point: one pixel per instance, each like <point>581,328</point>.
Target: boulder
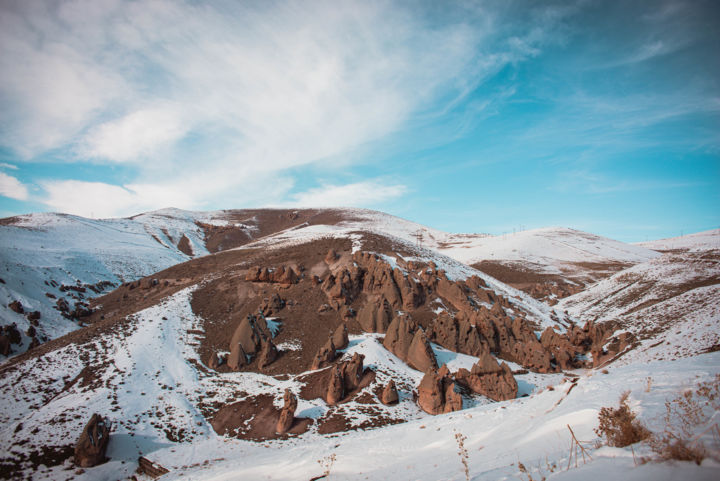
<point>431,396</point>
<point>389,394</point>
<point>248,335</point>
<point>340,337</point>
<point>92,444</point>
<point>287,415</point>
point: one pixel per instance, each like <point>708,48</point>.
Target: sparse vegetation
<point>688,417</point>
<point>619,427</point>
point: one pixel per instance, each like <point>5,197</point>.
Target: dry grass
<point>689,417</point>
<point>619,427</point>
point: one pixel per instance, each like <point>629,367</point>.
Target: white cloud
<point>136,136</point>
<point>13,188</point>
<point>3,165</point>
<point>360,194</point>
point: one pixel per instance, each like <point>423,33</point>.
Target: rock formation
<point>340,337</point>
<point>490,379</point>
<point>375,315</point>
<point>437,393</point>
<point>336,387</point>
<point>389,394</point>
<point>287,415</point>
<point>325,355</point>
<point>92,444</point>
<point>420,355</point>
<point>268,353</point>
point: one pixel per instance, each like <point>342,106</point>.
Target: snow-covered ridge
<point>700,241</point>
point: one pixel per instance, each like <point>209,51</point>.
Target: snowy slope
<point>700,241</point>
<point>37,249</point>
<point>551,247</point>
<point>670,302</point>
<point>153,390</point>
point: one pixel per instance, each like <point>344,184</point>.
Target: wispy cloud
<point>589,182</point>
<point>4,165</point>
<point>12,187</point>
<point>361,194</point>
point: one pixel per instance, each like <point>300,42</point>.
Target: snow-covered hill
<point>153,390</point>
<point>700,241</point>
<point>671,303</point>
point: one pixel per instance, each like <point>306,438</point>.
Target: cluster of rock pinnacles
<point>478,323</point>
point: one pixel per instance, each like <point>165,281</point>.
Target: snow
<point>700,241</point>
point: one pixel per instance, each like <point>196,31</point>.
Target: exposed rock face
<point>375,315</point>
<point>389,394</point>
<point>490,379</point>
<point>400,336</point>
<point>437,393</point>
<point>92,444</point>
<point>16,306</point>
<point>325,355</point>
<point>4,345</point>
<point>340,337</point>
<point>420,355</point>
<point>287,415</point>
<point>331,256</point>
<point>458,334</point>
<point>237,357</point>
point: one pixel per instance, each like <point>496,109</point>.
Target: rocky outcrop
<point>457,334</point>
<point>283,276</point>
<point>237,357</point>
<point>399,336</point>
<point>324,356</point>
<point>249,335</point>
<point>268,353</point>
<point>437,392</point>
<point>287,415</point>
<point>336,387</point>
<point>420,355</point>
<point>214,361</point>
<point>340,337</point>
<point>352,372</point>
<point>489,379</point>
<point>375,315</point>
<point>92,445</point>
<point>389,394</point>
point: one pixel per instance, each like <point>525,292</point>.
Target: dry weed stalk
<point>576,448</point>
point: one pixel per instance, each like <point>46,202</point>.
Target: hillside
<point>549,263</point>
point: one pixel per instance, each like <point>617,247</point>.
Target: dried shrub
<point>688,417</point>
<point>619,427</point>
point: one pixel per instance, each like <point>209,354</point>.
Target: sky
<point>466,116</point>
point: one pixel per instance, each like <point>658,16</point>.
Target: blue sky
<point>465,116</point>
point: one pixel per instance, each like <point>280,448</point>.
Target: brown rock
<point>5,345</point>
<point>248,335</point>
<point>352,371</point>
<point>92,444</point>
<point>489,379</point>
<point>375,315</point>
<point>336,387</point>
<point>389,394</point>
<point>325,355</point>
<point>268,353</point>
<point>287,415</point>
<point>237,357</point>
<point>453,399</point>
<point>213,361</point>
<point>399,336</point>
<point>420,355</point>
<point>340,337</point>
<point>16,306</point>
<point>331,256</point>
<point>431,396</point>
